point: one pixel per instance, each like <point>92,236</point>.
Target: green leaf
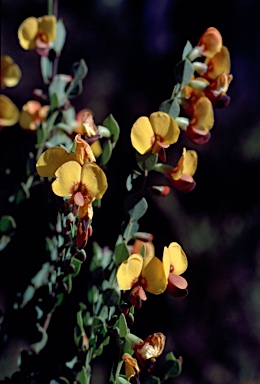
<point>59,41</point>
<point>187,50</point>
<point>171,107</point>
<point>122,325</point>
<point>57,91</point>
<point>7,224</point>
<point>111,296</point>
<point>139,210</point>
<point>147,161</point>
<point>113,127</point>
<point>183,72</point>
<point>93,294</point>
<point>130,179</point>
<point>77,265</point>
<point>79,70</point>
<point>143,251</point>
<point>121,253</point>
<point>46,69</point>
<point>107,152</point>
<point>173,366</point>
<point>82,376</point>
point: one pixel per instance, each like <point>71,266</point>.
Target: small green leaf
<point>139,209</point>
<point>147,161</point>
<point>183,72</point>
<point>122,325</point>
<point>143,251</point>
<point>113,127</point>
<point>79,70</point>
<point>107,152</point>
<point>7,224</point>
<point>187,50</point>
<point>171,107</point>
<point>173,366</point>
<point>152,380</point>
<point>111,297</point>
<point>59,41</point>
<point>46,69</point>
<point>82,376</point>
<point>121,253</point>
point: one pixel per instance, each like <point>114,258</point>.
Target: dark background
<point>131,48</point>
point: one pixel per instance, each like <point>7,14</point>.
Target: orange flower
<point>210,42</point>
<point>32,114</point>
<point>131,366</point>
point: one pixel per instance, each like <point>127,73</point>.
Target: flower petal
<point>142,135</point>
<point>154,275</point>
<point>178,258</point>
<point>129,271</point>
<point>94,179</point>
<point>218,64</point>
<point>165,127</point>
<point>9,113</point>
<point>190,162</point>
<point>203,117</point>
<point>177,281</point>
<point>68,178</point>
<point>51,160</point>
<point>47,26</point>
<point>27,32</point>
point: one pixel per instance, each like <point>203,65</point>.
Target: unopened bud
<point>200,68</point>
<point>183,122</point>
<point>144,236</point>
<point>200,85</point>
<point>160,190</point>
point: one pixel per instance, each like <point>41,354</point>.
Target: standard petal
<point>51,160</point>
<point>67,179</point>
<point>218,64</point>
<point>27,33</point>
<point>154,275</point>
<point>129,271</point>
<point>165,127</point>
<point>203,117</point>
<point>47,27</point>
<point>142,135</point>
<point>190,162</point>
<point>94,179</point>
<point>178,258</point>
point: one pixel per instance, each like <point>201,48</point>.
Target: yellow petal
<point>10,72</point>
<point>203,117</point>
<point>166,261</point>
<point>9,113</point>
<point>165,127</point>
<point>67,179</point>
<point>94,179</point>
<point>154,275</point>
<point>27,33</point>
<point>142,135</point>
<point>51,160</point>
<point>47,26</point>
<point>178,258</point>
<point>218,64</point>
<point>190,162</point>
<point>129,271</point>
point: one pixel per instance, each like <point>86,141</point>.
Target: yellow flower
<point>76,176</point>
<point>154,133</point>
<point>9,113</point>
<point>37,33</point>
<point>181,176</point>
<point>32,114</point>
<point>175,263</point>
<point>142,274</point>
<point>10,72</point>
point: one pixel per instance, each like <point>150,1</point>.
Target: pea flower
<point>175,261</point>
<point>37,33</point>
<point>154,133</point>
<point>181,176</point>
<point>77,176</point>
<point>201,119</point>
<point>208,45</point>
<point>32,114</point>
<point>10,72</point>
<point>141,274</point>
<point>9,113</point>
